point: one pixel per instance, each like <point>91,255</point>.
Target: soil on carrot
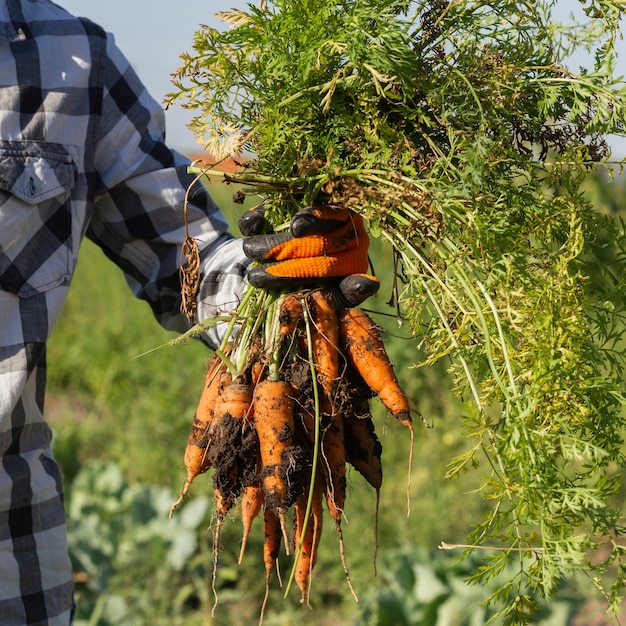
<point>298,374</point>
<point>249,454</point>
<point>293,472</point>
<point>354,450</point>
<point>226,466</point>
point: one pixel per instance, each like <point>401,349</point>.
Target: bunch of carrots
<point>285,407</point>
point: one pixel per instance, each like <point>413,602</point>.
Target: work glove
<point>322,245</point>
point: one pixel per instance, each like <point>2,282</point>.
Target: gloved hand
<point>322,245</point>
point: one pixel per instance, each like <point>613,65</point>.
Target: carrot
<point>334,467</point>
<point>196,458</point>
<point>290,314</point>
<point>257,372</point>
<point>332,477</point>
<point>225,433</point>
<point>325,340</point>
<point>325,353</point>
<point>306,546</point>
<point>251,502</point>
<point>334,463</point>
<point>364,350</point>
<point>272,538</point>
<point>271,547</point>
<point>282,462</point>
<point>363,448</point>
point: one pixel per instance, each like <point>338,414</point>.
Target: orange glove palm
<point>322,244</point>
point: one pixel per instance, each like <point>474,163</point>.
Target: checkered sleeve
<point>138,218</point>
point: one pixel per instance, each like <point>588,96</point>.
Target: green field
<point>121,422</point>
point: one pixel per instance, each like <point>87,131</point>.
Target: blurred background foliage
<point>121,414</point>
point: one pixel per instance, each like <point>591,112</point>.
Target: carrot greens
<point>463,134</point>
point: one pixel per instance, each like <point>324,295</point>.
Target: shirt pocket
<point>36,180</point>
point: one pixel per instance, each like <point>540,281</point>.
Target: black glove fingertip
<point>259,278</point>
<point>260,246</point>
<point>306,222</point>
<point>356,288</point>
<point>252,222</point>
<point>302,224</point>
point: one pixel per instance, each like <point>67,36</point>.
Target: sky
<point>153,33</point>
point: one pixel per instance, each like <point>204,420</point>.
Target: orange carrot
<point>365,351</point>
<point>332,474</point>
<point>272,538</point>
<point>307,556</point>
<point>325,340</point>
<point>225,434</point>
<point>271,548</point>
<point>274,421</point>
<point>196,458</point>
<point>290,314</point>
<point>251,502</point>
<point>257,372</point>
<point>325,351</point>
<point>282,462</point>
<point>333,455</point>
<point>334,468</point>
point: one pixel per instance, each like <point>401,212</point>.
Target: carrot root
<point>325,341</point>
<point>342,554</point>
<point>308,533</point>
<point>251,503</point>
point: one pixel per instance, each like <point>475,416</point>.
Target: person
<point>82,154</point>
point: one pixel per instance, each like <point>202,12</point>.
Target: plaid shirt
<point>81,153</point>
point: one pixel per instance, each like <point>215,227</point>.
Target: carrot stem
<point>227,362</point>
<point>248,295</point>
<point>250,319</point>
<point>274,336</point>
